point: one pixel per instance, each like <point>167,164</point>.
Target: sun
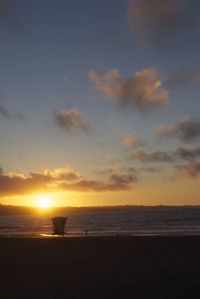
<point>44,201</point>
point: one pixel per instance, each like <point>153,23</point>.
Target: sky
<point>99,102</point>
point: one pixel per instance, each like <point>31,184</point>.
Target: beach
<point>100,267</point>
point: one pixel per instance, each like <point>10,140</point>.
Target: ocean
<point>124,221</point>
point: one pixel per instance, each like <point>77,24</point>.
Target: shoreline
<point>82,236</point>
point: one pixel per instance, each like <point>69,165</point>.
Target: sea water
<point>109,222</point>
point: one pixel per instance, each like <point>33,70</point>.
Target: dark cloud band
<point>187,130</point>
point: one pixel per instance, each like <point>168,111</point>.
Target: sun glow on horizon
<point>44,201</point>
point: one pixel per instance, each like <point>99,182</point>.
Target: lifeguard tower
<point>59,225</point>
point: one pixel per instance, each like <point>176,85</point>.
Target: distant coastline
<point>29,210</point>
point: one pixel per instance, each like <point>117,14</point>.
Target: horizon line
<point>101,206</point>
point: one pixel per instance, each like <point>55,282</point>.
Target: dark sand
<point>113,267</point>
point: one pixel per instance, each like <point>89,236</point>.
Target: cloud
<point>187,130</point>
<point>156,156</point>
<point>102,143</point>
<point>9,17</point>
<point>182,154</point>
<point>4,112</point>
<point>123,179</point>
<point>62,174</point>
<point>142,91</point>
<point>108,170</point>
<point>133,140</point>
<point>122,173</point>
<point>184,76</point>
<point>94,186</point>
<point>18,184</point>
<point>117,170</point>
<point>189,171</point>
<point>72,120</point>
<point>165,22</point>
<point>150,169</point>
<point>61,179</point>
<point>116,182</point>
<point>188,154</point>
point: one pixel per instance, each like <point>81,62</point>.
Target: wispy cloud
<point>142,91</point>
<point>186,130</point>
<point>133,140</point>
<point>156,156</point>
<point>5,113</point>
<point>110,169</point>
<point>188,154</point>
<point>165,22</point>
<point>116,182</point>
<point>151,169</point>
<point>191,170</point>
<point>9,17</point>
<point>96,186</point>
<point>123,179</point>
<point>184,77</point>
<point>183,154</point>
<point>72,120</point>
<point>116,169</point>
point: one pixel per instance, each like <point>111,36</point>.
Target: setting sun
<point>44,201</point>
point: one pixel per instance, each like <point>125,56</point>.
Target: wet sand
<point>102,267</point>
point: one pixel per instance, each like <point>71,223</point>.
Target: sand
<point>108,267</point>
